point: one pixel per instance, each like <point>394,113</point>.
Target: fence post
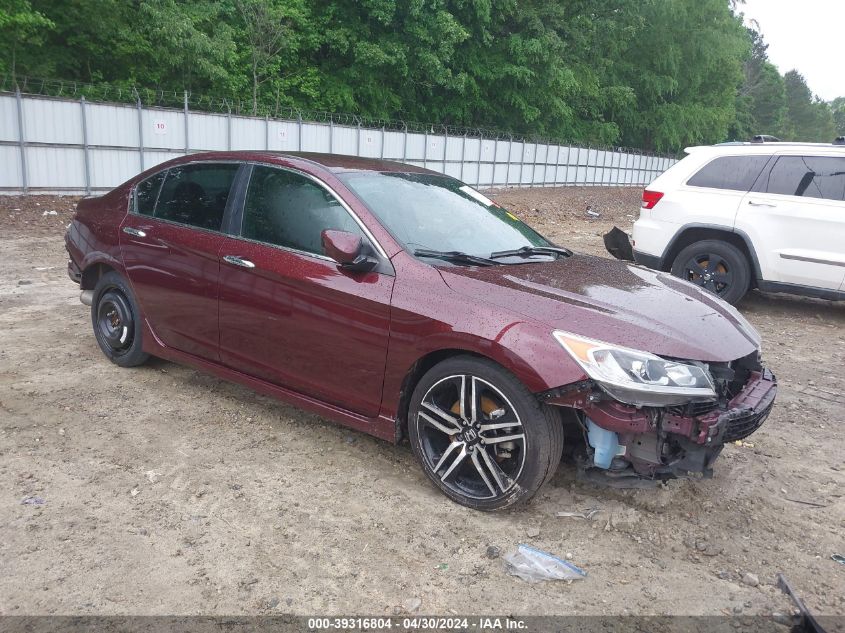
<point>463,154</point>
<point>521,162</point>
<point>140,133</point>
<point>85,157</point>
<point>534,165</point>
<point>331,135</point>
<point>557,164</point>
<point>266,132</point>
<point>21,141</point>
<point>187,143</point>
<point>495,162</point>
<point>299,130</point>
<point>405,143</point>
<point>381,145</point>
<point>510,151</point>
<point>358,137</point>
<point>425,150</point>
<point>480,147</point>
<point>228,127</point>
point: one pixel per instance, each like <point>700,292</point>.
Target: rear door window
<point>287,209</point>
<point>808,177</point>
<point>736,173</point>
<point>196,194</point>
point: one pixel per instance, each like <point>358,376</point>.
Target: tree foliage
<point>656,74</point>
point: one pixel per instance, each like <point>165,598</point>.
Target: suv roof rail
<point>765,138</point>
<point>839,140</point>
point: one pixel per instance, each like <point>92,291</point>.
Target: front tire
<point>716,266</point>
<point>117,322</point>
<point>481,436</point>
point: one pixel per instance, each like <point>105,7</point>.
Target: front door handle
<point>754,203</point>
<point>238,261</point>
<point>133,231</point>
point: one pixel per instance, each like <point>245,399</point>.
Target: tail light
<point>651,198</point>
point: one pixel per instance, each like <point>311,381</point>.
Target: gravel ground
<point>161,490</point>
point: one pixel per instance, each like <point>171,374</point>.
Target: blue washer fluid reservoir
<point>605,443</point>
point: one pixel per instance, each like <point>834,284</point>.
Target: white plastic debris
<point>534,565</point>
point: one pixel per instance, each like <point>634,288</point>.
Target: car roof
<point>336,163</point>
<point>768,147</point>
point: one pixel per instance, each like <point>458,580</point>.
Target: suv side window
<point>808,176</point>
<point>146,193</point>
<point>287,209</point>
<point>196,194</point>
<point>736,173</point>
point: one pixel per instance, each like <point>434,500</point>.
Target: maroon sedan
<point>404,303</point>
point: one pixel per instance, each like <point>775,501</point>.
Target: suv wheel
<point>481,436</point>
<point>716,266</point>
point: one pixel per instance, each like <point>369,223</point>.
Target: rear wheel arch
<point>691,234</point>
<point>92,274</point>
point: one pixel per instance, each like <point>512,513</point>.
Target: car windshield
<point>428,212</point>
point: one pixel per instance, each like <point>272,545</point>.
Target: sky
<point>805,35</point>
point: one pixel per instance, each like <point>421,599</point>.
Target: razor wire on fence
<point>70,128</point>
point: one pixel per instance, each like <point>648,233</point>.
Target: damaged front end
<point>673,423</point>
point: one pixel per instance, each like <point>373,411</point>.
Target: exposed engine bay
<point>626,443</point>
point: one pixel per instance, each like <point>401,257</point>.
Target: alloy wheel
<point>710,271</point>
<point>471,437</point>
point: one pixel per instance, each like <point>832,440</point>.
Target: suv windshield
<point>437,213</point>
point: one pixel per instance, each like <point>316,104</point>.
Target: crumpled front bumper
<point>673,441</point>
<point>744,414</point>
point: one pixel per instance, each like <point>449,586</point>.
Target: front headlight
<point>638,378</point>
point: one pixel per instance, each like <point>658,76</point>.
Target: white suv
<point>737,216</point>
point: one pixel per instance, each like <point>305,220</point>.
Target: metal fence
<point>60,145</point>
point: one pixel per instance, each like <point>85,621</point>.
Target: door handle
<point>238,261</point>
<point>133,231</point>
<point>754,203</point>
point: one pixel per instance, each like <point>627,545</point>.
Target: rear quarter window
<point>735,173</point>
<point>146,193</point>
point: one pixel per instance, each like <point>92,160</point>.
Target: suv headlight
<point>636,377</point>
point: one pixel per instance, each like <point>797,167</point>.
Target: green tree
<point>20,25</point>
<point>838,107</point>
<point>809,118</point>
<point>685,65</point>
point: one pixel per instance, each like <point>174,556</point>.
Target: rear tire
<point>481,436</point>
<point>117,321</point>
<point>716,266</point>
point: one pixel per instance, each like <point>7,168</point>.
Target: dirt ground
<point>161,490</point>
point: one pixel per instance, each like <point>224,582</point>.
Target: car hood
<point>615,302</point>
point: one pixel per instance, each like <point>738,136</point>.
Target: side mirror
<point>348,250</point>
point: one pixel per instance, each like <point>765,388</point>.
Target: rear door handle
<point>238,261</point>
<point>754,203</point>
<point>133,231</point>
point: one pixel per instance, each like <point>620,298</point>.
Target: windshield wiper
<point>455,256</point>
<point>529,251</point>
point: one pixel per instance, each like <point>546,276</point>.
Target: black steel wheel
<point>117,327</point>
<point>716,266</point>
<point>481,436</point>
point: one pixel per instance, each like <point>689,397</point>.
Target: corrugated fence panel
<point>248,133</point>
<point>163,129</point>
<point>112,166</point>
<point>55,167</point>
<point>207,132</point>
<point>51,121</point>
<point>121,140</point>
<point>109,125</point>
<point>10,159</point>
<point>8,119</point>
